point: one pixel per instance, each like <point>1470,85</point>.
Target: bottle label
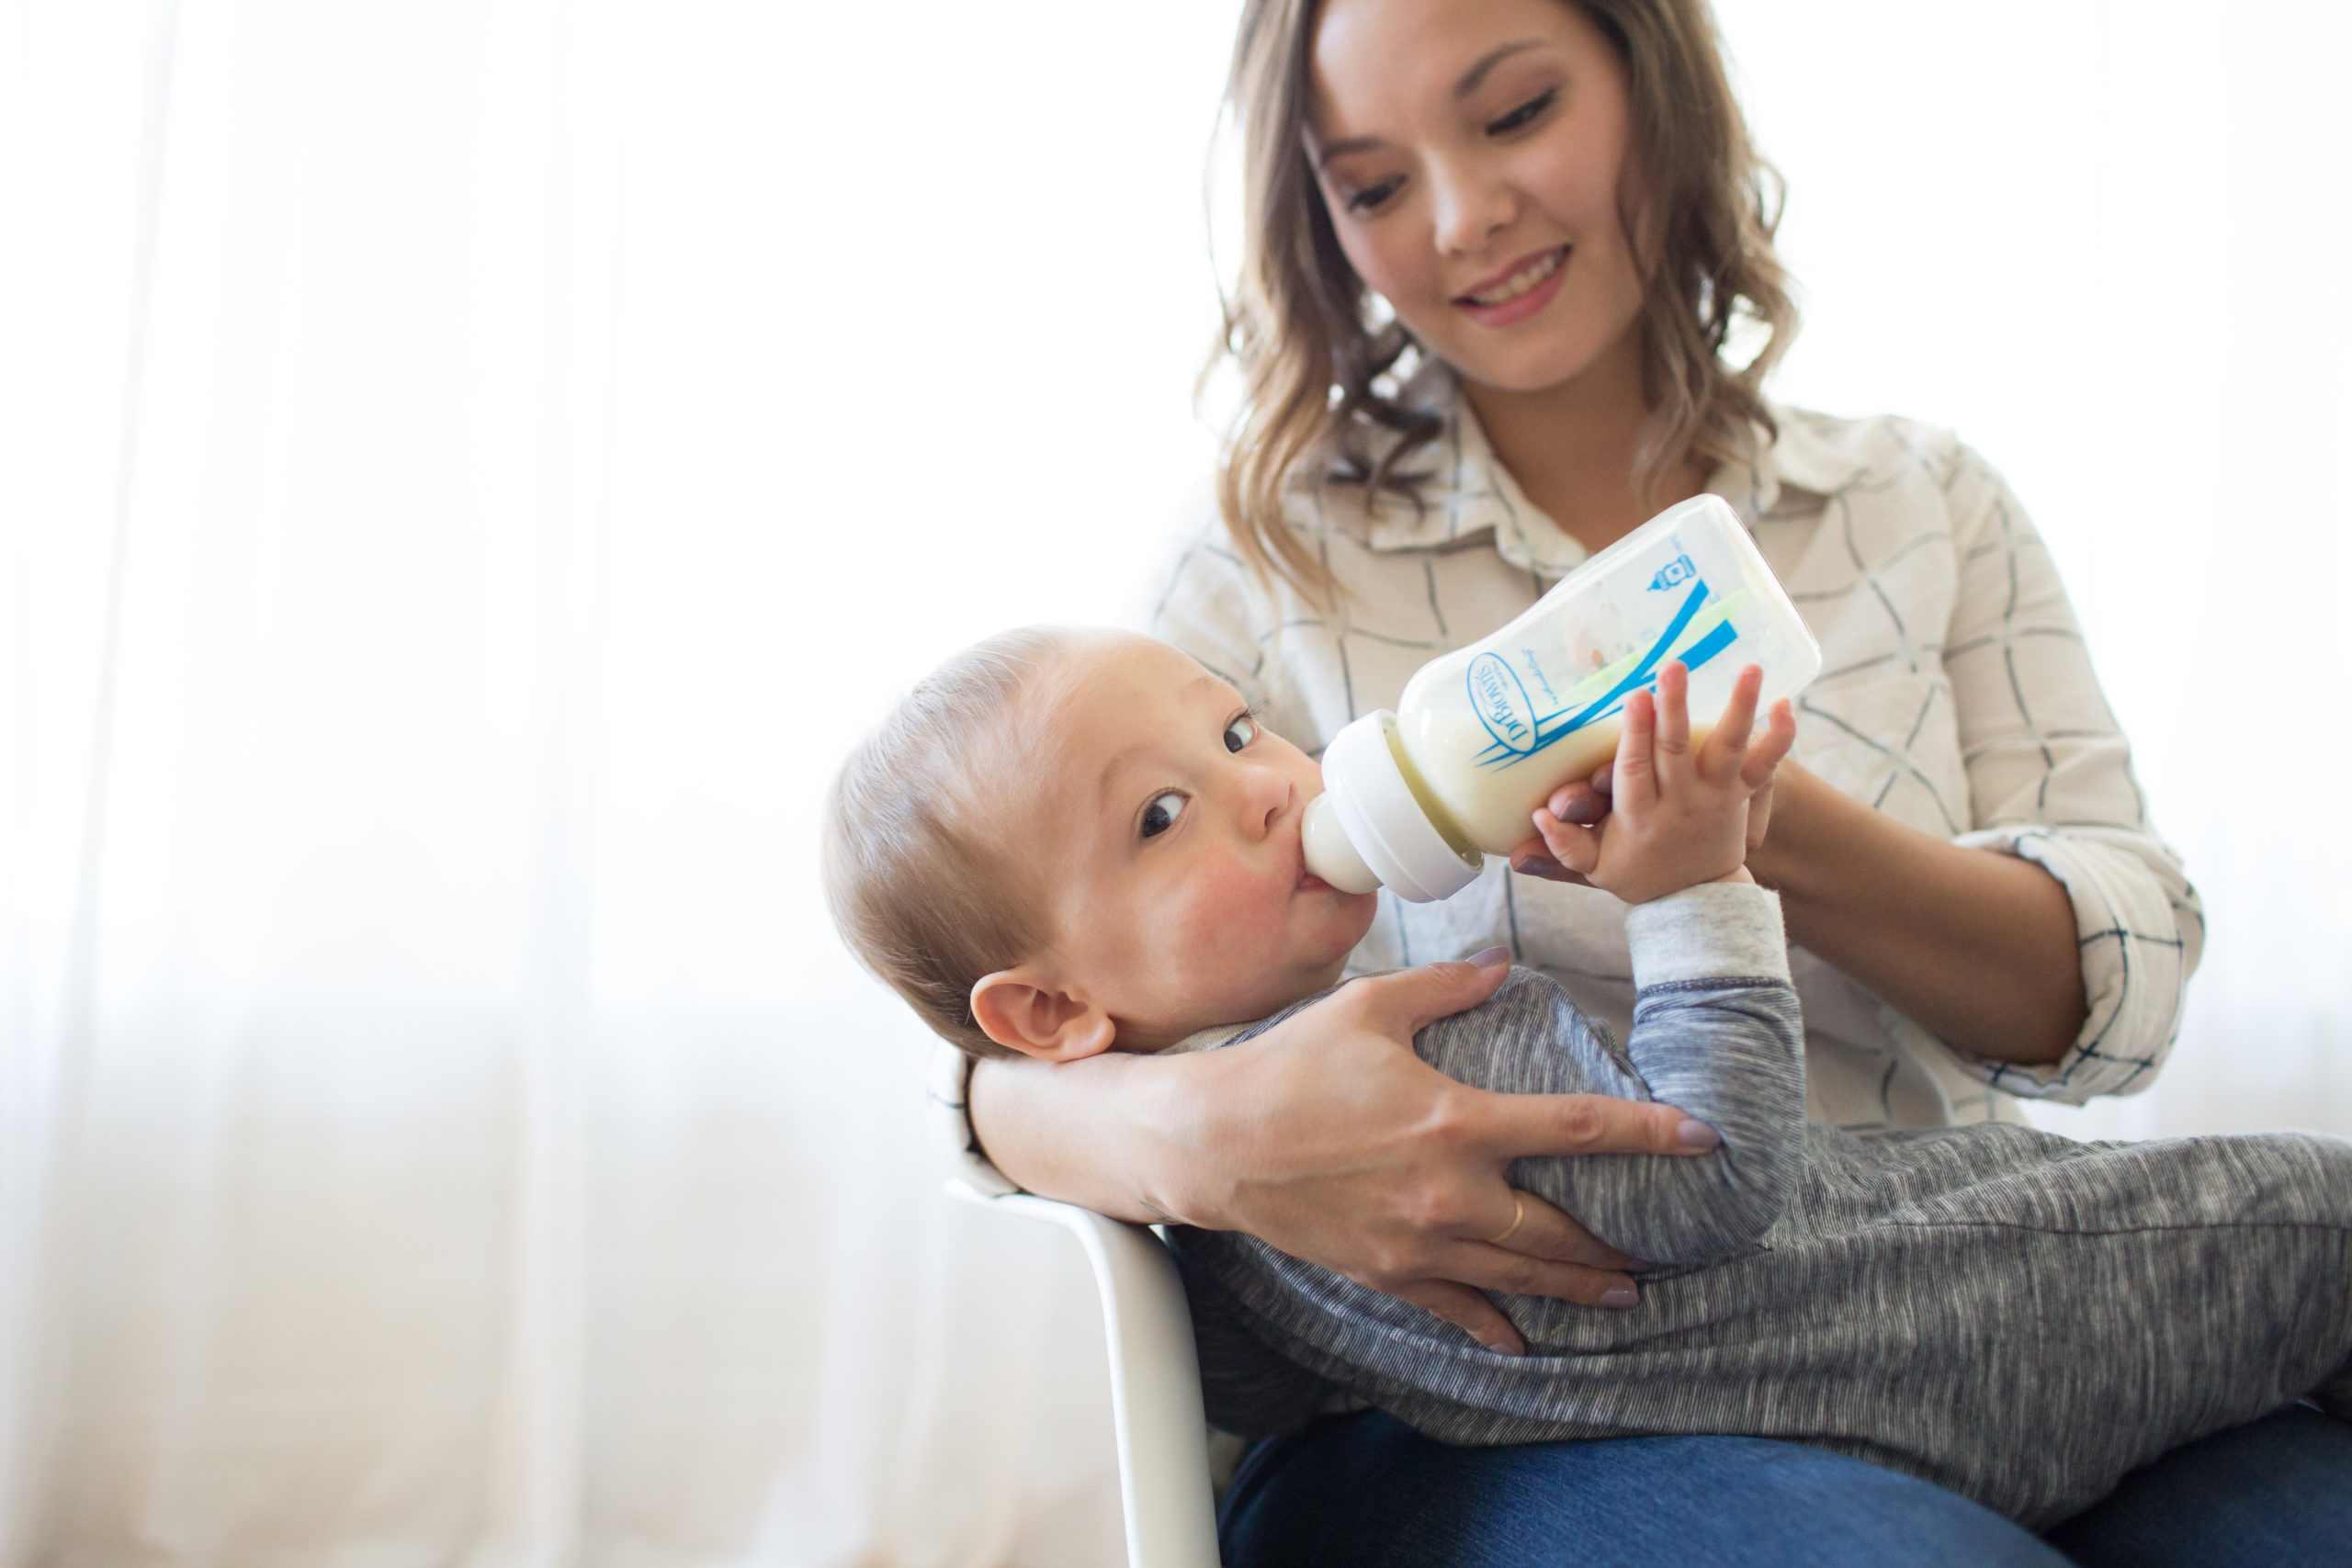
<point>1675,571</point>
<point>1521,726</point>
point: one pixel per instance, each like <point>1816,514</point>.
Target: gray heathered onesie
<point>2014,1316</point>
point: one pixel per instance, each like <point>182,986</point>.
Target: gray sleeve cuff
<point>1717,930</point>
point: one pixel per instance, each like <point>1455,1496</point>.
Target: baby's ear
<point>1023,1010</point>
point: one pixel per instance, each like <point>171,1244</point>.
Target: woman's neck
<point>1571,447</point>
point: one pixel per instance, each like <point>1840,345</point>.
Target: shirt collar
<point>1462,488</point>
<point>1210,1039</point>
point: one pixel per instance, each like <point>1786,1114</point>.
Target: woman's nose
<point>1471,207</point>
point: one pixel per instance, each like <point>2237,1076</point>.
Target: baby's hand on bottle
<point>1679,813</point>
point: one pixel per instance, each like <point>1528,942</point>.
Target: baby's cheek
<point>1233,916</point>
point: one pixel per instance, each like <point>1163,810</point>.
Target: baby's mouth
<point>1528,277</point>
<point>1308,881</point>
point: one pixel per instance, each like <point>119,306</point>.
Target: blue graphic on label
<point>1500,699</point>
<point>1678,570</point>
<point>1502,704</point>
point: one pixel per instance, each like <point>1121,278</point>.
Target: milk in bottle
<point>1416,798</point>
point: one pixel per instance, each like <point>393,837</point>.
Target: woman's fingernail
<point>1619,1297</point>
<point>1583,810</point>
<point>1487,958</point>
<point>1697,1135</point>
<point>1501,1347</point>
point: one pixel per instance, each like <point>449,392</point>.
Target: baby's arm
<point>1716,1033</point>
<point>1716,1026</point>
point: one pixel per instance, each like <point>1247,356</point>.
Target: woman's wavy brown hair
<point>1318,372</point>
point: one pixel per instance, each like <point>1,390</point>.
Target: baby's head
<point>1068,842</point>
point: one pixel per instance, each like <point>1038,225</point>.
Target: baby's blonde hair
<point>925,895</point>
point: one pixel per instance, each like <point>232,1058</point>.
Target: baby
<point>1069,843</point>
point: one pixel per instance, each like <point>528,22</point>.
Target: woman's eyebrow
<point>1341,148</point>
<point>1487,61</point>
<point>1462,89</point>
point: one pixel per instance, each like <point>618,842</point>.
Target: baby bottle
<point>1413,800</point>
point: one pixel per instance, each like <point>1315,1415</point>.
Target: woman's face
<point>1472,153</point>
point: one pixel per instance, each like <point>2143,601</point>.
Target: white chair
<point>1155,1381</point>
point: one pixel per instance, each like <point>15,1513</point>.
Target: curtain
<point>468,469</point>
<point>471,471</point>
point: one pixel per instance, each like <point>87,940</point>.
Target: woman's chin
<point>1541,369</point>
<point>1541,354</point>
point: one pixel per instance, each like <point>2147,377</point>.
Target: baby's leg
<point>2130,1298</point>
<point>2021,1318</point>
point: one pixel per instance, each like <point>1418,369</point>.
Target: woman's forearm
<point>1091,1133</point>
<point>1327,1138</point>
<point>1977,947</point>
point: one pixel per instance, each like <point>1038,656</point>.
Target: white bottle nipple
<point>1370,809</point>
<point>1329,853</point>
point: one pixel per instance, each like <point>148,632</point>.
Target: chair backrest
<point>1164,1488</point>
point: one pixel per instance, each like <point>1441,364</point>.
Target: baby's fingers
<point>1720,758</point>
<point>1673,718</point>
<point>1770,749</point>
<point>1635,783</point>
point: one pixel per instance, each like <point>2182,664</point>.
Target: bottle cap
<point>1374,810</point>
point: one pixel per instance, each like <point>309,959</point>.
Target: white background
<point>468,470</point>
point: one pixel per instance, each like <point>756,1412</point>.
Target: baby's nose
<point>1268,799</point>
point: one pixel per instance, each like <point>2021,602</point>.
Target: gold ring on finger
<point>1518,1213</point>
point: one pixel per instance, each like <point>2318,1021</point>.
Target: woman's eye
<point>1524,115</point>
<point>1371,197</point>
<point>1240,732</point>
<point>1161,814</point>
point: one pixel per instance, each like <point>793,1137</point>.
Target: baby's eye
<point>1240,732</point>
<point>1161,814</point>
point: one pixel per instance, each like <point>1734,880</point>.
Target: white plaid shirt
<point>1955,694</point>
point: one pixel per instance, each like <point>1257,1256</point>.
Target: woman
<point>1508,290</point>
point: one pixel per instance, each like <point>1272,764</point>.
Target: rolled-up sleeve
<point>947,1121</point>
<point>2049,780</point>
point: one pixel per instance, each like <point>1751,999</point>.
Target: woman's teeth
<point>1519,282</point>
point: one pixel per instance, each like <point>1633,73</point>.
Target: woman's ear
<point>1023,1010</point>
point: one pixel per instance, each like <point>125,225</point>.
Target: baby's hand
<point>1679,816</point>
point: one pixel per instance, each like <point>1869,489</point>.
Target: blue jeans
<point>1366,1491</point>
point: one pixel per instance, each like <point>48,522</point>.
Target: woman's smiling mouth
<point>1515,294</point>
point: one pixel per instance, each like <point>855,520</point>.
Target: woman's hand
<point>1384,1170</point>
<point>1327,1137</point>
